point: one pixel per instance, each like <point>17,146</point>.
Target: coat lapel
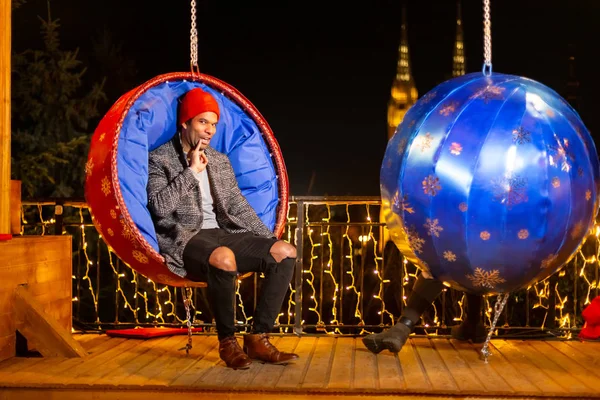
<point>213,169</point>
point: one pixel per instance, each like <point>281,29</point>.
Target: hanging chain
<point>500,303</point>
<point>187,302</point>
<point>194,40</point>
<point>487,39</point>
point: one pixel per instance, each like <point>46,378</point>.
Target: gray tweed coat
<point>175,202</point>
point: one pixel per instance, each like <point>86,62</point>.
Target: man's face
<point>201,129</point>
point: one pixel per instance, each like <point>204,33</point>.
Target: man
<point>425,290</point>
<point>208,232</point>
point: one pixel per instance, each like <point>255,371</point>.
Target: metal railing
<point>349,278</point>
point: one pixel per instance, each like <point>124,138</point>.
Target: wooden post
<point>15,207</point>
<point>5,46</point>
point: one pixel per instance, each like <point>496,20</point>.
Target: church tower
<point>404,92</point>
<point>458,59</point>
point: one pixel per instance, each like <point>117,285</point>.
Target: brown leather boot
<point>231,352</point>
<point>258,347</point>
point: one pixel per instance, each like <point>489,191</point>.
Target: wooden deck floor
<point>134,369</point>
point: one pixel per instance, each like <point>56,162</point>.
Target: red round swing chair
<point>143,119</point>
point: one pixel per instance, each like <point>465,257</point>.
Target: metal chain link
<point>500,303</point>
<point>487,39</point>
<point>187,302</point>
<point>193,39</point>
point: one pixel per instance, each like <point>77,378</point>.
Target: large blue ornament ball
<point>490,183</point>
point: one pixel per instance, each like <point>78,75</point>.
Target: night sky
<point>321,71</point>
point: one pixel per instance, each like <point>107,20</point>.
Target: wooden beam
<point>15,207</point>
<point>5,49</point>
<point>147,394</point>
<point>50,338</point>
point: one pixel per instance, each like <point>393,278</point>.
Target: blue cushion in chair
<point>151,122</point>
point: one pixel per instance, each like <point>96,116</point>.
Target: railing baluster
<point>299,239</point>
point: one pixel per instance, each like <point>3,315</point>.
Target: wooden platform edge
<point>149,394</point>
<point>50,338</point>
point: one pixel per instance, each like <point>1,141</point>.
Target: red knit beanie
<point>195,102</point>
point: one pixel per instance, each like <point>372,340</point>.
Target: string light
<point>583,269</point>
<point>119,290</point>
<point>329,269</point>
<point>309,271</point>
<point>238,295</point>
<point>88,262</point>
<point>350,256</point>
<point>377,259</point>
<point>291,303</point>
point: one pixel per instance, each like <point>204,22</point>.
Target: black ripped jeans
<point>252,254</point>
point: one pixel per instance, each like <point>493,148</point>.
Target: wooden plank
<point>504,384</point>
<point>342,369</point>
<point>293,374</point>
<point>6,299</point>
<point>219,376</point>
<point>179,363</point>
<point>389,372</point>
<point>82,338</point>
<point>550,368</point>
<point>80,370</point>
<point>7,324</point>
<point>7,347</point>
<point>365,376</point>
<point>521,383</point>
<point>269,374</point>
<point>439,376</point>
<point>168,350</point>
<point>21,271</point>
<point>465,379</point>
<point>572,367</point>
<point>412,369</point>
<point>58,288</point>
<point>55,304</point>
<point>588,361</point>
<point>4,364</point>
<point>591,348</point>
<point>317,374</point>
<point>32,371</point>
<point>34,272</point>
<point>49,368</point>
<point>200,367</point>
<point>50,338</point>
<point>48,272</point>
<point>97,393</point>
<point>91,340</point>
<point>29,250</point>
<point>11,367</point>
<point>117,365</point>
<point>243,378</point>
<point>40,366</point>
<point>125,369</point>
<point>524,366</point>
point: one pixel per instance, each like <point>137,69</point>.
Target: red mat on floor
<point>147,333</point>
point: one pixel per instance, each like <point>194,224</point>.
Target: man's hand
<point>197,159</point>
